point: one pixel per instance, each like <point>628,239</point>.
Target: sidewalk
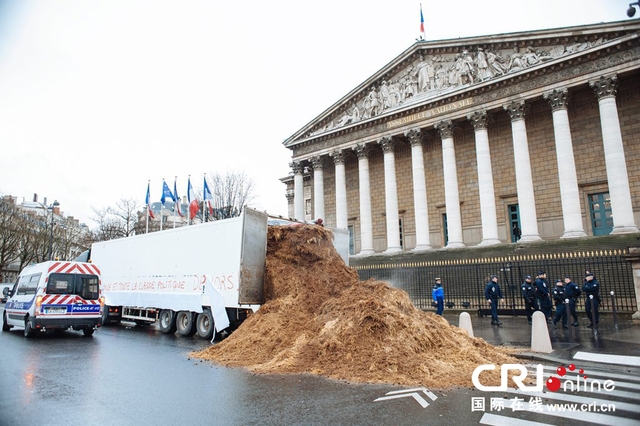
<point>517,333</point>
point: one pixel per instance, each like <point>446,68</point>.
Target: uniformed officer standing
<point>529,295</point>
<point>573,292</point>
<point>493,295</point>
<point>559,296</point>
<point>591,287</point>
<point>542,292</point>
<point>438,296</point>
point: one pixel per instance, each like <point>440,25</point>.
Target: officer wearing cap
<point>559,297</point>
<point>573,292</point>
<point>493,295</point>
<point>542,291</point>
<point>438,296</point>
<point>591,287</point>
<point>529,295</point>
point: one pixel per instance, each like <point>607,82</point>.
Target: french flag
<point>147,202</point>
<point>207,196</point>
<point>421,20</point>
<point>193,201</point>
<point>175,193</point>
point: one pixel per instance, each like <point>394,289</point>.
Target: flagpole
<point>203,196</point>
<point>175,202</point>
<point>162,207</point>
<point>189,200</point>
<point>147,229</point>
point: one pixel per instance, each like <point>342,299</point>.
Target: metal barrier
<point>464,280</point>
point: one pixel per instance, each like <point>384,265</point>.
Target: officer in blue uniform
<point>573,292</point>
<point>591,287</point>
<point>493,295</point>
<point>559,296</point>
<point>542,292</point>
<point>438,296</point>
<point>529,295</point>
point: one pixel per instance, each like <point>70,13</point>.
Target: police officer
<point>591,287</point>
<point>542,291</point>
<point>573,292</point>
<point>438,296</point>
<point>493,295</point>
<point>559,296</point>
<point>529,295</point>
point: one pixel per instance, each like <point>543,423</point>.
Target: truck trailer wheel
<point>167,321</point>
<point>185,323</point>
<point>205,325</point>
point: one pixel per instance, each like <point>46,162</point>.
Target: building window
<point>352,247</point>
<point>600,213</point>
<point>514,222</point>
<point>401,230</point>
<point>446,229</point>
<point>307,209</point>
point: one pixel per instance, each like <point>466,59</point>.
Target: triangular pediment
<point>429,70</point>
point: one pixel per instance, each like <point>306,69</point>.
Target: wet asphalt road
<point>127,375</point>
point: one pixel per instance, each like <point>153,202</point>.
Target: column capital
<point>362,150</point>
<point>605,87</point>
<point>479,119</point>
<point>414,135</point>
<point>386,143</point>
<point>290,196</point>
<point>337,156</point>
<point>558,98</point>
<point>297,167</point>
<point>317,162</point>
<point>515,109</point>
<point>445,127</point>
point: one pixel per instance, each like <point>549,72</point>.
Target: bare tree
<point>9,232</point>
<point>117,221</point>
<point>232,192</point>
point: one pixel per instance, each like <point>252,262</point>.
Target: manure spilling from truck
<point>319,318</point>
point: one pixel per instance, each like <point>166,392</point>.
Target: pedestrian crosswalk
<point>619,406</point>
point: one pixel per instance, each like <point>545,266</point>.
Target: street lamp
<point>52,206</point>
<point>632,11</point>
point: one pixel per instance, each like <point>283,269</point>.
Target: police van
<point>55,296</point>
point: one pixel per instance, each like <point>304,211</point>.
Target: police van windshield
<point>85,286</point>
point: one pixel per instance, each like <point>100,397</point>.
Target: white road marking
<point>425,390</point>
<point>572,377</point>
<point>590,372</point>
<point>495,420</point>
<point>624,406</point>
<point>409,393</point>
<point>608,359</point>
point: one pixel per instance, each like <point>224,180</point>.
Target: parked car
<point>3,298</point>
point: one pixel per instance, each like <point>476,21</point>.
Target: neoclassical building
<point>457,142</point>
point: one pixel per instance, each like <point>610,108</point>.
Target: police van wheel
<point>88,332</point>
<point>28,329</point>
<point>5,325</point>
<point>205,325</point>
<point>167,321</point>
<point>185,323</point>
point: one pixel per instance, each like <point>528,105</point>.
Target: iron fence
<point>464,280</point>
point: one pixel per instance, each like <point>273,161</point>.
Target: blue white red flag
<point>147,203</point>
<point>175,193</point>
<point>421,20</point>
<point>193,201</point>
<point>207,196</point>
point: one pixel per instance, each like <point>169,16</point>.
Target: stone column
<point>318,187</point>
<point>289,196</point>
<point>366,224</point>
<point>524,180</point>
<point>485,180</point>
<point>391,195</point>
<point>569,194</point>
<point>617,177</point>
<point>451,195</point>
<point>423,241</point>
<point>298,190</point>
<point>341,190</point>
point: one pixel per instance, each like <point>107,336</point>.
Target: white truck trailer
<point>194,279</point>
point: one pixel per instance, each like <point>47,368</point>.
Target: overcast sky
<point>97,97</point>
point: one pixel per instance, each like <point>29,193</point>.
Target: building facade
<point>471,141</point>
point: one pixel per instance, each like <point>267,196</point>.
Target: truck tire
<point>28,329</point>
<point>88,332</point>
<point>205,325</point>
<point>185,323</point>
<point>167,321</point>
<point>5,326</point>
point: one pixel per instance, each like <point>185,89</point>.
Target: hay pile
<point>320,319</point>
